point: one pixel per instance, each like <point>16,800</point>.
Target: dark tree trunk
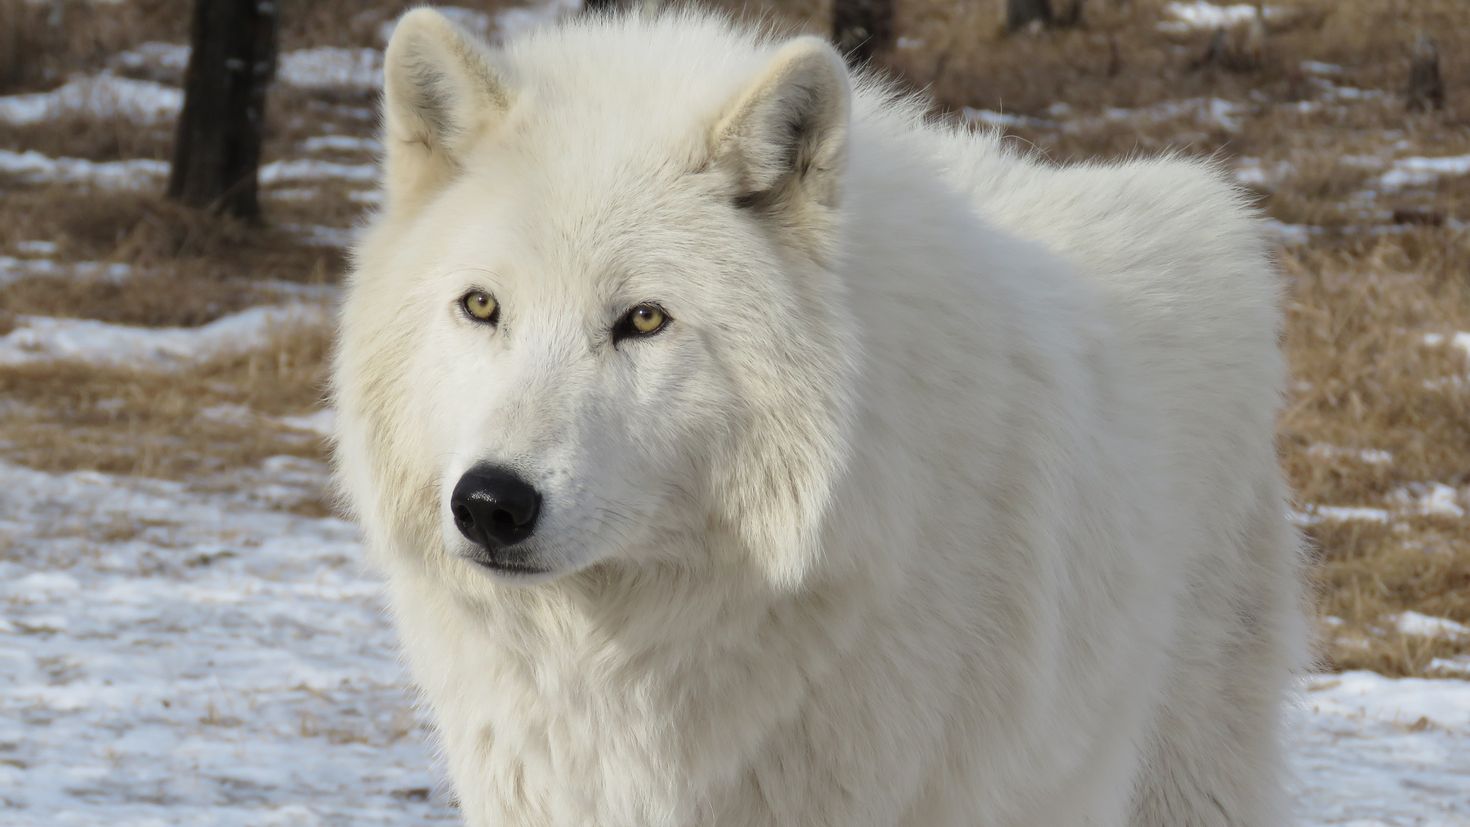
<point>1426,84</point>
<point>217,146</point>
<point>1022,13</point>
<point>862,29</point>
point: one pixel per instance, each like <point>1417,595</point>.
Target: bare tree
<point>217,146</point>
<point>862,29</point>
<point>1426,84</point>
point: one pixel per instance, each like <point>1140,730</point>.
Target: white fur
<point>947,498</point>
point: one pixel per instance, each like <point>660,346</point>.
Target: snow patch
<point>306,169</point>
<point>1203,15</point>
<point>1433,499</point>
<point>42,338</point>
<point>317,422</point>
<point>31,166</point>
<point>990,117</point>
<point>1460,340</point>
<point>1421,625</point>
<point>170,57</point>
<point>102,96</point>
<point>1368,456</point>
<point>1417,171</point>
<point>37,248</point>
<point>331,67</point>
<point>1314,514</point>
<point>341,143</point>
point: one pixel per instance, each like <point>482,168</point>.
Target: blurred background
<point>187,634</point>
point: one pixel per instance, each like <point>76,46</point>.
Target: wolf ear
<point>784,140</point>
<point>439,93</point>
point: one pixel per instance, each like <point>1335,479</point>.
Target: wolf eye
<point>643,320</point>
<point>480,306</point>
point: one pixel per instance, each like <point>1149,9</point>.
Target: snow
<point>1314,514</point>
<point>14,269</point>
<point>305,169</point>
<point>1257,173</point>
<point>101,96</point>
<point>1216,111</point>
<point>1422,625</point>
<point>1369,456</point>
<point>990,117</point>
<point>1202,15</point>
<point>37,247</point>
<point>42,338</point>
<point>1451,666</point>
<point>173,57</point>
<point>176,653</point>
<point>331,67</point>
<point>193,653</point>
<point>1417,171</point>
<point>1384,752</point>
<point>1433,499</point>
<point>32,166</point>
<point>317,422</point>
<point>341,143</point>
<point>1460,340</point>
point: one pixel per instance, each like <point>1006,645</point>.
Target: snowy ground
<point>197,652</point>
<point>177,654</point>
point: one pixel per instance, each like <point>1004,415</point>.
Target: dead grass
<point>1380,271</point>
<point>70,416</point>
<point>157,236</point>
<point>72,135</point>
<point>1366,379</point>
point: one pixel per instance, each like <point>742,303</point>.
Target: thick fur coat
<point>944,495</point>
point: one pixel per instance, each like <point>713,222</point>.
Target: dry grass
<point>69,416</point>
<point>73,135</point>
<point>169,242</point>
<point>1380,270</point>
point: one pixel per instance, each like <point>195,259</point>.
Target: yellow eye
<point>643,320</point>
<point>480,306</point>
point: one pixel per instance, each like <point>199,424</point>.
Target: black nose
<point>494,507</point>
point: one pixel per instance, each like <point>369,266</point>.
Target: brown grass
<point>152,234</point>
<point>68,416</point>
<point>1377,274</point>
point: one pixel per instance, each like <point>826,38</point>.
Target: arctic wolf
<point>742,449</point>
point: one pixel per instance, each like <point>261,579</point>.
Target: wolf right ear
<point>440,91</point>
<point>784,140</point>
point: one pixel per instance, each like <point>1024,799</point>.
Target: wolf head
<point>596,322</point>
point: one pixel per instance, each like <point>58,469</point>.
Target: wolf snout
<point>494,507</point>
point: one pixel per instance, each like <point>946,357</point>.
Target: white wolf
<point>741,449</point>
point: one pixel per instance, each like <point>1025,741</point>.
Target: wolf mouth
<point>507,566</point>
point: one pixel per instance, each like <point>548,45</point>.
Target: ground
<point>189,635</point>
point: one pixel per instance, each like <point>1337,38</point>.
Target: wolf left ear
<point>784,140</point>
<point>439,93</point>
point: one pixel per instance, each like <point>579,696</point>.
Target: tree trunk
<point>862,29</point>
<point>1022,13</point>
<point>1426,84</point>
<point>217,145</point>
